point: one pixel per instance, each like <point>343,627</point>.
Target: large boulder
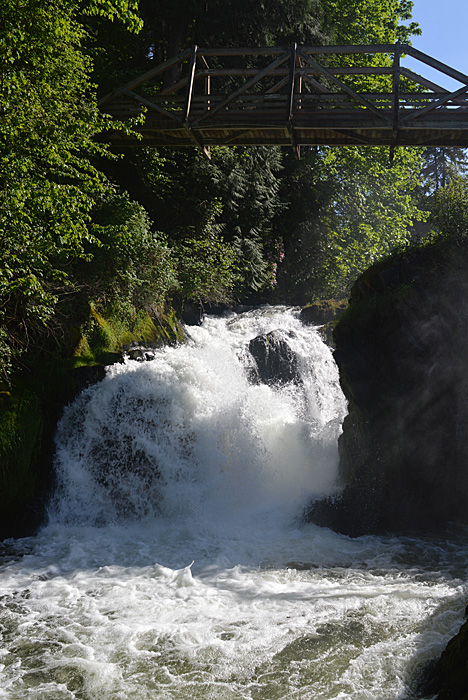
<point>275,361</point>
<point>402,352</point>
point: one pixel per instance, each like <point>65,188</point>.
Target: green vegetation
<point>98,248</point>
<point>80,224</point>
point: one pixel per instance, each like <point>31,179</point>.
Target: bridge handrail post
<point>190,83</point>
<point>292,75</point>
<point>396,85</point>
<point>289,115</point>
<point>396,97</point>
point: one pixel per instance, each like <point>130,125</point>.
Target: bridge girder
<point>296,96</point>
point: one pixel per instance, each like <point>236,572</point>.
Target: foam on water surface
<point>175,564</point>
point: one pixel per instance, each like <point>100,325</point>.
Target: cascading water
<point>175,564</point>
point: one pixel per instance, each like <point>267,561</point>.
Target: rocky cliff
<point>402,352</point>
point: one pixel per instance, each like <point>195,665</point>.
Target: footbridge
<point>297,96</point>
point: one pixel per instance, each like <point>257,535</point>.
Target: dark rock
<point>192,314</point>
<point>402,349</point>
<point>447,679</point>
<point>87,376</point>
<point>322,312</point>
<point>276,362</point>
<point>140,353</point>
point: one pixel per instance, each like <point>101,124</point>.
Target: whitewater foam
<point>175,565</point>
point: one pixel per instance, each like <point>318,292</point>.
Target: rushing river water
<point>175,564</point>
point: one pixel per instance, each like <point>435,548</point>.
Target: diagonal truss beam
<point>303,102</point>
<point>245,87</point>
<point>145,77</point>
<point>344,87</point>
<point>438,65</point>
<point>152,105</point>
<point>433,106</point>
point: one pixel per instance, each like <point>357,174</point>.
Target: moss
<point>30,408</point>
<point>105,336</point>
<point>322,311</point>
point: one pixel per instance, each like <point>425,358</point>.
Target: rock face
<point>402,352</point>
<point>449,676</point>
<point>324,313</point>
<point>276,362</point>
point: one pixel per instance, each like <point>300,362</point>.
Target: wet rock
<point>192,314</point>
<point>140,354</point>
<point>401,349</point>
<point>275,361</point>
<point>447,678</point>
<point>88,375</point>
<point>322,312</point>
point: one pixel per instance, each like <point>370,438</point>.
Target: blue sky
<point>445,37</point>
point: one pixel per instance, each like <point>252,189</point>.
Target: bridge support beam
<point>253,96</point>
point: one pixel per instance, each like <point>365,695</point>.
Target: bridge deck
<point>293,96</point>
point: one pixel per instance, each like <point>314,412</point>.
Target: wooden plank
<point>375,137</point>
<point>152,105</point>
<point>245,51</point>
<point>358,139</point>
<point>437,89</point>
<point>436,104</point>
<point>292,74</point>
<point>349,49</point>
<point>198,141</point>
<point>396,87</point>
<point>173,88</point>
<point>243,72</point>
<point>277,87</point>
<point>275,50</point>
<point>191,76</point>
<point>407,73</point>
<point>314,83</point>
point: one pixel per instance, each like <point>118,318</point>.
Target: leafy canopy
<point>49,129</point>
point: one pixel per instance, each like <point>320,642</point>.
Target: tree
<point>362,209</point>
<point>440,163</point>
<point>48,183</point>
<point>369,21</point>
<point>449,207</point>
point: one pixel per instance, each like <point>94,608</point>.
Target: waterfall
<point>175,564</point>
<point>195,434</point>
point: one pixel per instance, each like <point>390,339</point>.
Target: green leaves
<point>126,11</point>
<point>48,144</point>
<point>449,207</point>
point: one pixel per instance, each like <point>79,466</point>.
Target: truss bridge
<point>297,96</point>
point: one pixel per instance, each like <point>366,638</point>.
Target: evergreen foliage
<point>78,223</point>
<point>449,208</point>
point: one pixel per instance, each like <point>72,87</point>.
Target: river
<point>175,565</point>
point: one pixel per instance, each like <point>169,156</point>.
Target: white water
<point>175,564</point>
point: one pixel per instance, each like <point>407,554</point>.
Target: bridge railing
<point>301,90</point>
